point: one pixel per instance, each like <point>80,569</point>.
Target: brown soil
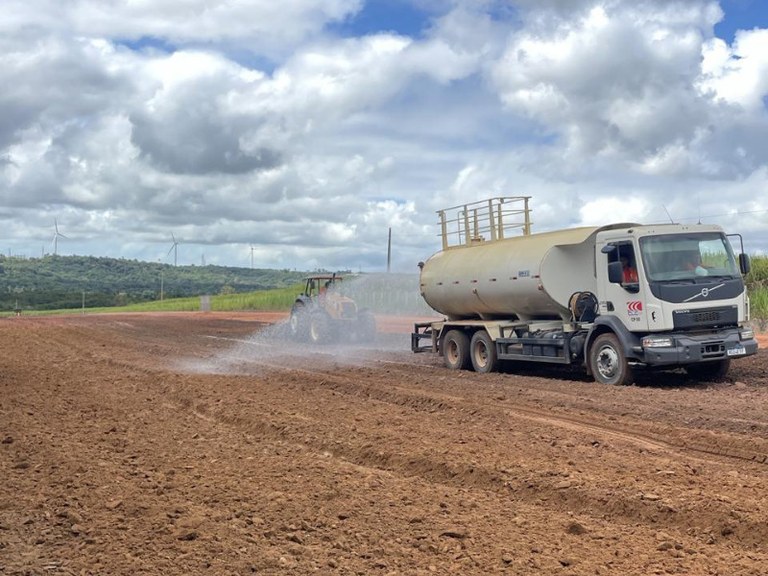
<point>209,444</point>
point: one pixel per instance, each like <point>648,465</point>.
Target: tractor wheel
<point>319,328</point>
<point>607,361</point>
<point>456,350</point>
<point>482,351</point>
<point>714,371</point>
<point>366,327</point>
<point>298,322</point>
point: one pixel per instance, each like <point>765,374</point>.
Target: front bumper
<point>692,349</point>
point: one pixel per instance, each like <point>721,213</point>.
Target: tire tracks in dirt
<point>379,463</point>
<point>550,492</point>
<point>693,443</point>
<point>446,393</point>
<point>699,444</point>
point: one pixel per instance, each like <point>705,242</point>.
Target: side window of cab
<point>622,265</point>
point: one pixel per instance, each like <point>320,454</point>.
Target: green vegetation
<point>382,293</point>
<point>64,282</point>
<point>757,284</point>
<point>74,283</point>
<point>278,299</point>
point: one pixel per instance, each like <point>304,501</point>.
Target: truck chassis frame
<point>531,349</point>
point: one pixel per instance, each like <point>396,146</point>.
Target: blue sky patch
<point>381,16</point>
<point>146,43</point>
<point>741,15</point>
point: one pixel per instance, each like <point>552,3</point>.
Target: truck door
<point>625,297</point>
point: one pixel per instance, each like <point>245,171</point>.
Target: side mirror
<point>615,272</point>
<point>744,264</point>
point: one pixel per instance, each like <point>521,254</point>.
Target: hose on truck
<point>584,306</point>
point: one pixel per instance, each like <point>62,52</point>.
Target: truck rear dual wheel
<point>607,361</point>
<point>456,350</point>
<point>459,352</point>
<point>482,352</point>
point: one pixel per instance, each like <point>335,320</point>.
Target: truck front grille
<point>709,318</point>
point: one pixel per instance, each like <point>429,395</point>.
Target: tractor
<point>322,314</point>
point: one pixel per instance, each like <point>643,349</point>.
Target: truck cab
<point>688,305</point>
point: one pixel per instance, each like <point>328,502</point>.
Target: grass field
<point>757,284</point>
<point>279,299</point>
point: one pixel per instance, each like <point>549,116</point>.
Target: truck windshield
<point>687,257</point>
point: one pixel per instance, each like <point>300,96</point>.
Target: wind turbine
<point>252,249</point>
<point>173,249</point>
<point>56,236</point>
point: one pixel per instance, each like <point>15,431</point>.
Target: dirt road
<point>203,444</point>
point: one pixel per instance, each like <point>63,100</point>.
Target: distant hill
<point>56,282</point>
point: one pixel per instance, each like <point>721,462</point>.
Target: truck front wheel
<point>607,361</point>
<point>482,351</point>
<point>456,350</point>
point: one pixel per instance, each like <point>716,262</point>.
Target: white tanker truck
<point>608,298</point>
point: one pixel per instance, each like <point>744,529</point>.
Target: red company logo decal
<point>634,308</point>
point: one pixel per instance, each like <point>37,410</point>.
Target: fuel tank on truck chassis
<point>529,276</point>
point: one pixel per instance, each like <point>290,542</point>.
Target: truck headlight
<point>657,342</point>
<point>746,334</point>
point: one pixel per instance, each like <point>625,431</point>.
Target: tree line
<point>59,282</point>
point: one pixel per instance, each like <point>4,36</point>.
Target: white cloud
<point>271,28</point>
<point>739,74</point>
<point>231,124</point>
<point>615,82</point>
<point>613,209</point>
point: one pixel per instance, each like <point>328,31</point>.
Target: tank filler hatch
<point>484,221</point>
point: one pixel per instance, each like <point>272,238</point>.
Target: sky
<point>296,134</point>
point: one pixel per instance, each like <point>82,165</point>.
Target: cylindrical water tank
<point>526,277</point>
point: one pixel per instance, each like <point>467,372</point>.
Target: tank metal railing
<point>484,220</point>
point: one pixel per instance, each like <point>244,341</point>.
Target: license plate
<point>737,351</point>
